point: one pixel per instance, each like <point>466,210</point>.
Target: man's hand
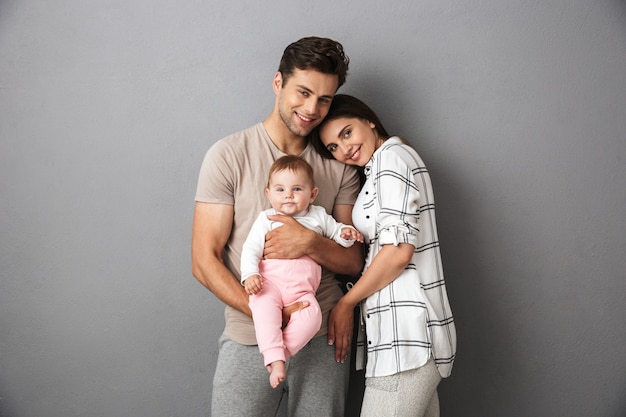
<point>340,325</point>
<point>290,241</point>
<point>292,308</point>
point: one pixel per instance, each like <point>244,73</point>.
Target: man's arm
<point>293,240</point>
<point>212,224</point>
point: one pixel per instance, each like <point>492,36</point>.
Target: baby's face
<point>290,192</point>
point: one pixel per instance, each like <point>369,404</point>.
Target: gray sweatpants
<point>407,394</point>
<point>316,385</point>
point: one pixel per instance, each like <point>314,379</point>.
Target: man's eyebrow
<point>304,87</point>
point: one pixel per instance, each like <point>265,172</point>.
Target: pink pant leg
<point>267,312</point>
<point>286,281</point>
<point>302,326</point>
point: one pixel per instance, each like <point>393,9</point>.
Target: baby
<point>275,283</point>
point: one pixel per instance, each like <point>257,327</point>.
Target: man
<point>230,194</point>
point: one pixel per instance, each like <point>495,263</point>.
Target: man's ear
<point>277,84</point>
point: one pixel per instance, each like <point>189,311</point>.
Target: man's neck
<point>282,137</point>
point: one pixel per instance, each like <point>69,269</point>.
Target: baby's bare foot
<point>278,372</point>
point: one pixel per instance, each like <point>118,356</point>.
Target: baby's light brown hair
<point>294,164</point>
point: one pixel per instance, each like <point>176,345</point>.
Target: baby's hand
<point>349,233</point>
<point>253,284</point>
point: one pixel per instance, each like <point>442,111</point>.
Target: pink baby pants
<point>286,281</point>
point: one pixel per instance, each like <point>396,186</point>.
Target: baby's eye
<point>297,189</point>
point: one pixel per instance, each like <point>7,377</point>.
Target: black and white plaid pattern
<point>410,320</point>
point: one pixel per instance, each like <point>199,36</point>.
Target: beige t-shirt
<point>234,172</point>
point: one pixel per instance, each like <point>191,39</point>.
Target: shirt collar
<point>393,140</point>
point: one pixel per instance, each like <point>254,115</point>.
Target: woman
<point>410,333</point>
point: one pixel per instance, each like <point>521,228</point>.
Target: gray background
<point>107,108</point>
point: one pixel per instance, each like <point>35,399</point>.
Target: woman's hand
<point>386,266</point>
<point>340,324</point>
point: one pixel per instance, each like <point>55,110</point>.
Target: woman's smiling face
<point>350,140</point>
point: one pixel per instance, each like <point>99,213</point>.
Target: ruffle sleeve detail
<point>394,235</point>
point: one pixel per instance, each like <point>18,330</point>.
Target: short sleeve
<point>215,182</point>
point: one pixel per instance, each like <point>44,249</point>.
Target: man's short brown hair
<point>319,54</point>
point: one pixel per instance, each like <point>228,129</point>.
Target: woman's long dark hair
<point>344,105</point>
